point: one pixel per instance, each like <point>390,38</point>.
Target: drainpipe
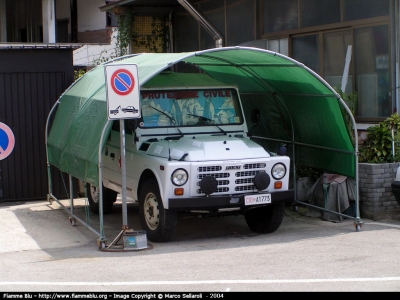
<point>203,21</point>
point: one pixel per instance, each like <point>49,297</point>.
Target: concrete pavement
<point>41,251</point>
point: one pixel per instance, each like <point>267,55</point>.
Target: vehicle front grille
<point>255,166</point>
<point>219,190</point>
<point>230,179</point>
<point>210,169</point>
<point>246,174</point>
<point>215,175</point>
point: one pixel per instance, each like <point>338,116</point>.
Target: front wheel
<point>93,194</point>
<point>265,219</point>
<point>159,223</point>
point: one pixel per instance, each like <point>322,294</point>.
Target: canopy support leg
<point>72,219</point>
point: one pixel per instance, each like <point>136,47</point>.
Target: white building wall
<point>89,15</point>
<point>89,54</point>
<point>90,18</point>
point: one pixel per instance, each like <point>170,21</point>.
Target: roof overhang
<point>144,6</point>
<point>8,46</point>
<point>164,7</point>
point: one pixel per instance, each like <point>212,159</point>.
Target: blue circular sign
<point>122,82</point>
<point>7,141</point>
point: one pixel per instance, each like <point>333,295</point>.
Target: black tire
<point>159,223</point>
<point>265,219</point>
<point>93,195</point>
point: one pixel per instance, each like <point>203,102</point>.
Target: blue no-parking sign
<point>123,91</point>
<point>7,141</point>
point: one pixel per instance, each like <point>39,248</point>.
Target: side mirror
<point>281,150</point>
<point>255,115</point>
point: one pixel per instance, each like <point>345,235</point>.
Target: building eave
<point>9,46</point>
<point>145,6</point>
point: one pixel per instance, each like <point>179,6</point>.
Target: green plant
<point>157,41</point>
<point>78,73</point>
<point>122,38</point>
<point>377,146</point>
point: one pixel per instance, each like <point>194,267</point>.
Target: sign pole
<point>123,171</point>
<point>123,102</point>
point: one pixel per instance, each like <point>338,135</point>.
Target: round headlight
<point>278,171</point>
<point>179,177</point>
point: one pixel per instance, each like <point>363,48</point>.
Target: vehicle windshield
<point>205,107</point>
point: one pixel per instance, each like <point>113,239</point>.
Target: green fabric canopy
<point>298,108</point>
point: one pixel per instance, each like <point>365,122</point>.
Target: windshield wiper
<point>202,118</point>
<point>173,121</point>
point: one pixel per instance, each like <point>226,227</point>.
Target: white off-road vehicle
<point>191,152</point>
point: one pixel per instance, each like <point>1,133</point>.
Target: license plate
<point>257,199</point>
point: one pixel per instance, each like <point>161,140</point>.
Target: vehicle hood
<point>207,148</point>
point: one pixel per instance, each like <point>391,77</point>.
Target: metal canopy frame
<point>102,238</point>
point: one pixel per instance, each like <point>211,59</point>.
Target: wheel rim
<point>151,212</point>
<point>94,193</point>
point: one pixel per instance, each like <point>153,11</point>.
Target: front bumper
<point>224,201</point>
